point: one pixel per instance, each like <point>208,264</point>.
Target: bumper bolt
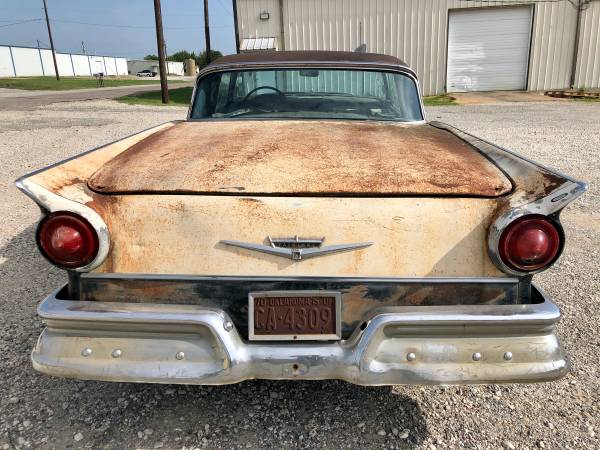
<point>180,355</point>
<point>476,356</point>
<point>116,353</point>
<point>508,356</point>
<point>86,352</point>
<point>228,325</point>
<point>411,356</point>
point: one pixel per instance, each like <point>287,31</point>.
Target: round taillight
<point>67,240</point>
<point>530,243</point>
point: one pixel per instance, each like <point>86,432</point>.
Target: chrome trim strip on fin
<point>51,202</point>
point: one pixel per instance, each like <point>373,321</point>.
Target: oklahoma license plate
<point>294,315</point>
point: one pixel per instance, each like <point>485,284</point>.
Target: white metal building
<point>26,62</point>
<point>454,45</point>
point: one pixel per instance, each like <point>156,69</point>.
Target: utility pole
<point>160,42</point>
<point>235,25</point>
<point>51,41</point>
<point>206,32</point>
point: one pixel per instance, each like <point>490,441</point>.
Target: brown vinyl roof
<point>308,57</point>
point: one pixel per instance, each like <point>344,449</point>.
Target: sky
<point>116,27</point>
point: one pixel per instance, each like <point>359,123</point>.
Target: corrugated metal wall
<point>416,31</point>
<point>588,71</point>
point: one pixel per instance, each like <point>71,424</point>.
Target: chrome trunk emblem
<point>296,248</point>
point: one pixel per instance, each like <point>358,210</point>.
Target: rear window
<point>307,93</point>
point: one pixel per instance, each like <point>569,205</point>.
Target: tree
<point>201,60</point>
<point>182,55</point>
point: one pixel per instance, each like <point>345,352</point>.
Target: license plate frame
<point>337,309</point>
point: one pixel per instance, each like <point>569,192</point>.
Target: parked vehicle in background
<point>304,222</point>
<point>146,73</point>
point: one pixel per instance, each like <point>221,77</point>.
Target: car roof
<point>308,58</point>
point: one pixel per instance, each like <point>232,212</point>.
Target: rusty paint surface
<point>179,234</point>
<point>70,177</point>
<point>301,157</point>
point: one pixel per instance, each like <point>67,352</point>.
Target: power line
<point>224,9</point>
<point>18,23</point>
<point>131,26</point>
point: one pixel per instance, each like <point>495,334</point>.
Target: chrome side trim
<point>51,202</point>
<point>166,343</point>
<point>250,278</point>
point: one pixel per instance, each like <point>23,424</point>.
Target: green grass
<point>439,100</point>
<point>177,97</point>
<point>65,83</point>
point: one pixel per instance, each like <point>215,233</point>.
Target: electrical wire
<point>18,23</point>
<point>223,7</point>
<point>150,27</point>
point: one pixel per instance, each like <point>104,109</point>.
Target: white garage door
<point>488,49</point>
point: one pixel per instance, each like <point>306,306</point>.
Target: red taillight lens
<point>530,243</point>
<point>67,240</point>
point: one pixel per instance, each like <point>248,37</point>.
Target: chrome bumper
<point>189,344</point>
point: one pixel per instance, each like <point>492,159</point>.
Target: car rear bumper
<point>190,344</point>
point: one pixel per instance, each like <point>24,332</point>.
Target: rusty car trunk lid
<point>308,157</point>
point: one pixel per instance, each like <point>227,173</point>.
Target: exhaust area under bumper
<point>189,344</point>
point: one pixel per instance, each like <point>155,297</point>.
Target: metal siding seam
<point>297,36</point>
<point>546,54</point>
<point>427,16</point>
<point>581,67</point>
<point>594,57</point>
<point>570,16</point>
<point>585,56</point>
<point>421,34</point>
<point>535,70</point>
<point>558,50</point>
<point>541,32</point>
<point>442,36</point>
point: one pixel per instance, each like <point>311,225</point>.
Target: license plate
<point>296,315</point>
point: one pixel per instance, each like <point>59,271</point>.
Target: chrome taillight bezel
<point>50,202</point>
<point>503,223</point>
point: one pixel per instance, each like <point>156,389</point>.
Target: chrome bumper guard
<point>160,343</point>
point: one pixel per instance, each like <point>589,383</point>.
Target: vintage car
<point>304,222</point>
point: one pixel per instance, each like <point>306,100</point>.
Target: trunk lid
<point>309,157</point>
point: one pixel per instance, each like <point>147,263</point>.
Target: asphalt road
<point>37,411</point>
<point>21,100</point>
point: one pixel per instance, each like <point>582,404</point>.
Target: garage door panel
<point>488,48</point>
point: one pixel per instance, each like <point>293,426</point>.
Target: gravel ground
<point>41,412</point>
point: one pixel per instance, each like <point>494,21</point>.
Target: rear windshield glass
<point>308,94</point>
